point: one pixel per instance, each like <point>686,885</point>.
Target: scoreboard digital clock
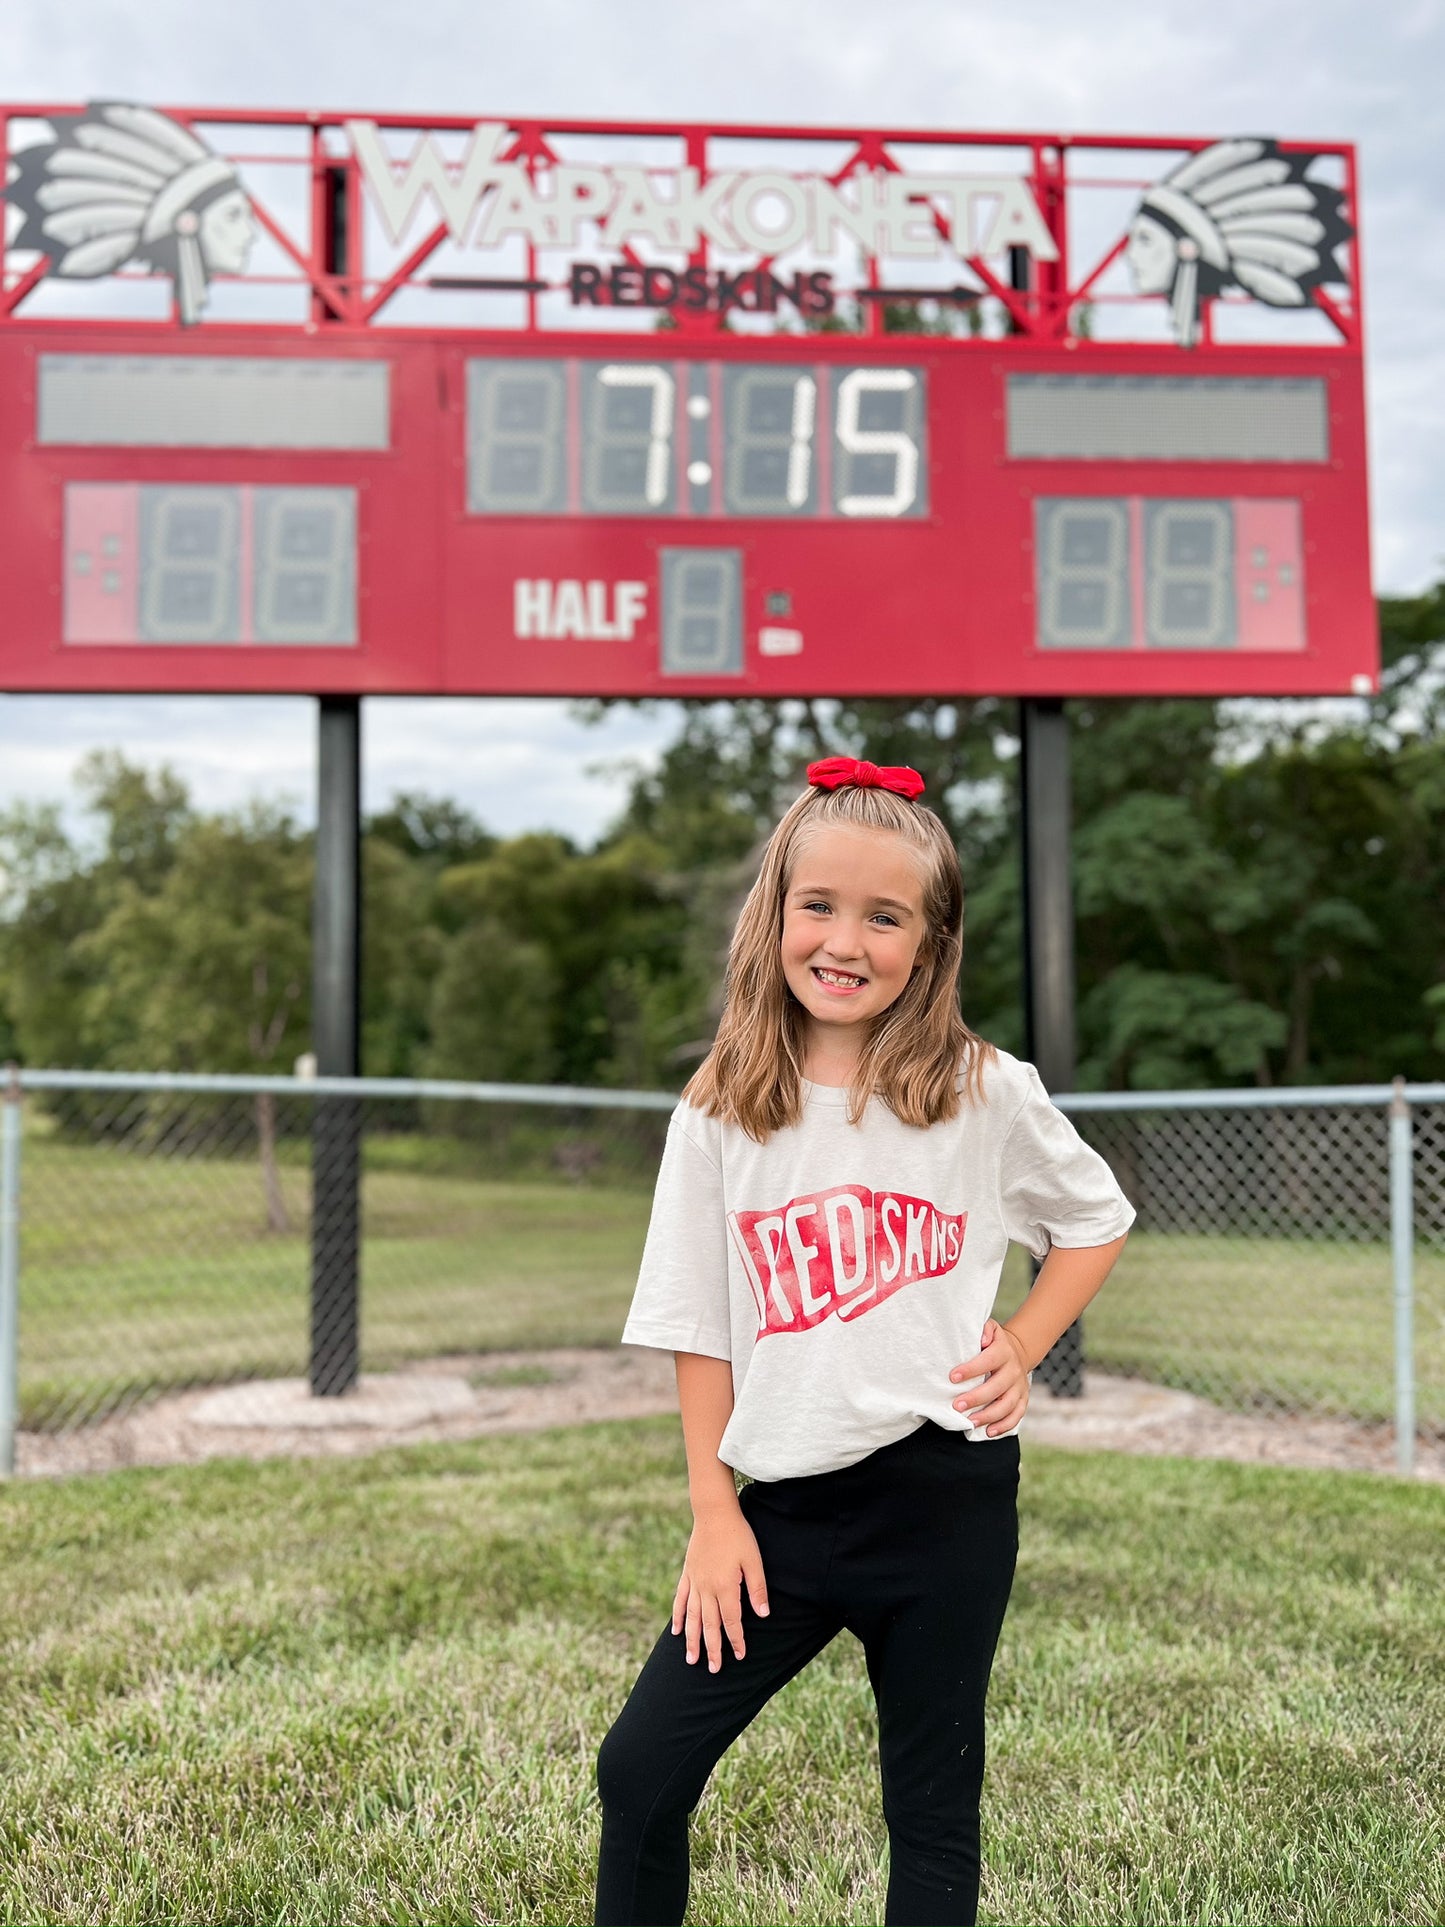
<point>1024,507</point>
<point>695,438</point>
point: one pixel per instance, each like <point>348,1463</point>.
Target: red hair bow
<point>834,771</point>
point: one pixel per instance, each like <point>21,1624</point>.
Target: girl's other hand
<point>722,1554</point>
<point>1002,1399</point>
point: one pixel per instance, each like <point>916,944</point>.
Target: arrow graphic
<point>490,286</point>
<point>960,294</point>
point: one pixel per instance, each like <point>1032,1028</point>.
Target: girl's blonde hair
<point>915,1049</point>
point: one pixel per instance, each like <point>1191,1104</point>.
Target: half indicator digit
<point>702,612</point>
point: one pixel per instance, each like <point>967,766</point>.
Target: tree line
<point>1259,898</point>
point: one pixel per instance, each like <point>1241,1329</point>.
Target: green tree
<point>492,1009</point>
<point>45,903</point>
<point>431,828</point>
<point>53,891</point>
<point>142,815</point>
<point>582,910</point>
<point>403,937</point>
<point>210,970</point>
<point>1411,701</point>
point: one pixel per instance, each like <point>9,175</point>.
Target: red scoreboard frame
<point>548,489</point>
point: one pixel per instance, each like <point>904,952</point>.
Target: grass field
<point>372,1690</point>
<point>146,1273</point>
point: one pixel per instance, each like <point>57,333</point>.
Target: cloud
<point>517,764</point>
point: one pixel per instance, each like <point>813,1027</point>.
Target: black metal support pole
<point>1049,946</point>
<point>336,1030</point>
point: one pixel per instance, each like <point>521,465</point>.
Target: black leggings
<point>912,1548</point>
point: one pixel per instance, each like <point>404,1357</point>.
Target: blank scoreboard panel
<point>791,515</point>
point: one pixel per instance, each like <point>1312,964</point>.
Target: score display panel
<point>644,515</point>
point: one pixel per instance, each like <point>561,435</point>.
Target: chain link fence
<point>166,1235</point>
<point>1289,1253</point>
<point>156,1235</point>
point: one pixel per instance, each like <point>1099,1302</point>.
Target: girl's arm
<point>1067,1280</point>
<point>722,1554</point>
<point>705,1399</point>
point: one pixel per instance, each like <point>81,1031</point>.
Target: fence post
<point>9,1267</point>
<point>1402,1254</point>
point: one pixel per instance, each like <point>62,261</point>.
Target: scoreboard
<point>686,506</point>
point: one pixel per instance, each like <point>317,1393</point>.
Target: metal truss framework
<point>347,293</point>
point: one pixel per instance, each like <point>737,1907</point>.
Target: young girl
<point>840,1180</point>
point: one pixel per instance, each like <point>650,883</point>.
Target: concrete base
<point>380,1403</point>
<point>1108,1406</point>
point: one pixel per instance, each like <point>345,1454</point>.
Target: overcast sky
<point>1337,70</point>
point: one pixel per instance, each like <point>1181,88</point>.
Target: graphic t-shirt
<point>844,1270</point>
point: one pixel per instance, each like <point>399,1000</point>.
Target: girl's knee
<point>640,1773</point>
<point>626,1766</point>
<point>615,1767</point>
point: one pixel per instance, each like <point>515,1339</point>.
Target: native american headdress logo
<point>123,183</point>
<point>1237,214</point>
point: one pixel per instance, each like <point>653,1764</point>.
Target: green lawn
<point>373,1690</point>
<point>151,1272</point>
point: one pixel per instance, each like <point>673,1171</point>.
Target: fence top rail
<point>1361,1096</point>
<point>1292,1097</point>
<point>243,1084</point>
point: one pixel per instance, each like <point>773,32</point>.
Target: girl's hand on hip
<point>1002,1399</point>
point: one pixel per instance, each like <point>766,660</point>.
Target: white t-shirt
<point>844,1270</point>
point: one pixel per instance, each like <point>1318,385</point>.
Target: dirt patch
<point>575,1385</point>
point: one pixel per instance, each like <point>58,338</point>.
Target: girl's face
<point>853,925</point>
